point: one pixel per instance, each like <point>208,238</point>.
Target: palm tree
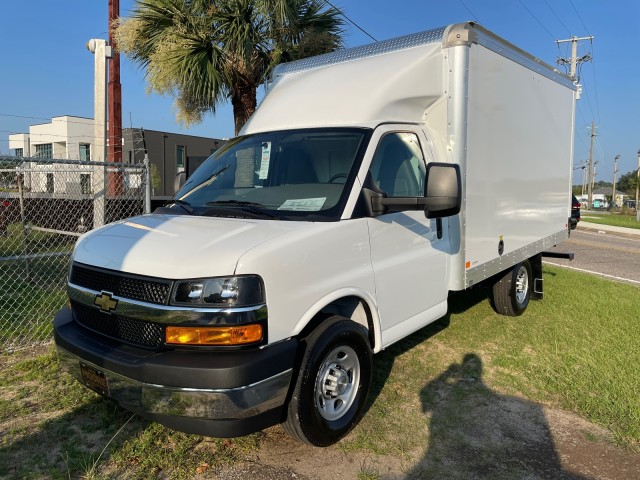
<point>205,52</point>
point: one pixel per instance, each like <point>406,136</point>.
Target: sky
<point>47,71</point>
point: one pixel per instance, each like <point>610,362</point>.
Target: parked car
<point>575,212</point>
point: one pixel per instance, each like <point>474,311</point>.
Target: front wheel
<point>332,384</point>
<point>512,292</point>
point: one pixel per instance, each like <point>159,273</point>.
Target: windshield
<point>298,175</point>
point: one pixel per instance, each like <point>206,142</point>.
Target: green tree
<point>155,178</point>
<point>603,184</point>
<point>627,183</point>
<point>206,52</point>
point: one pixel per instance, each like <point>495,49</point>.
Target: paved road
<point>606,253</point>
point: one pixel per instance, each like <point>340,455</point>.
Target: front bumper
<point>213,393</point>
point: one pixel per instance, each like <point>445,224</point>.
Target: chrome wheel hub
<point>522,284</point>
<point>337,383</point>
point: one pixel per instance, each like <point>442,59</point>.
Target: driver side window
<point>398,167</point>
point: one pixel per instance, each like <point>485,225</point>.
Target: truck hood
<point>176,247</point>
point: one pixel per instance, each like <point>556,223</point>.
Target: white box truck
<point>369,184</point>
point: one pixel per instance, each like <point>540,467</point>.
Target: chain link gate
<point>45,205</point>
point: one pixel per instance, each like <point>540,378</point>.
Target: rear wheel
<point>332,384</point>
<point>512,292</point>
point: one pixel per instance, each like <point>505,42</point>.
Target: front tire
<point>332,385</point>
<point>512,292</point>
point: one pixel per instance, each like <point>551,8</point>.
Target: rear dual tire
<point>511,293</point>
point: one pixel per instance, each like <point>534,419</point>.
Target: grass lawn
<point>33,288</point>
<point>576,350</point>
<point>614,219</point>
<point>32,294</point>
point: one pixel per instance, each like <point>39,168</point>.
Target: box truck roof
<point>394,80</point>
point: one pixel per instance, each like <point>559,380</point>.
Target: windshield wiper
<point>241,204</point>
<point>186,206</point>
<point>234,202</point>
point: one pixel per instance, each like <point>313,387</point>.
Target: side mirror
<point>178,182</point>
<point>443,190</point>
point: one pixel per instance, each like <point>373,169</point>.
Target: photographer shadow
<point>475,432</point>
<point>385,360</point>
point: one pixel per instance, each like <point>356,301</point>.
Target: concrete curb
<point>631,232</point>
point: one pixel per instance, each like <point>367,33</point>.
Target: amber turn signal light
<point>228,335</point>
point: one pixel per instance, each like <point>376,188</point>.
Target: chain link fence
<point>45,205</point>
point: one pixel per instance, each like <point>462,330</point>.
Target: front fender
<point>367,317</point>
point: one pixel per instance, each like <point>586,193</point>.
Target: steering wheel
<point>337,176</point>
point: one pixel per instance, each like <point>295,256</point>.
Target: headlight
<point>237,291</point>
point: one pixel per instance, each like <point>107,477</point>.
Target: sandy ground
<point>514,439</point>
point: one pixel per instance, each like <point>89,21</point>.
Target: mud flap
<point>536,272</point>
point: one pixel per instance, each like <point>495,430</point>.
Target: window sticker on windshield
<point>303,204</point>
<point>263,173</point>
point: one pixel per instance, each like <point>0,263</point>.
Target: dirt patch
<point>280,457</point>
<point>587,449</point>
<point>492,437</point>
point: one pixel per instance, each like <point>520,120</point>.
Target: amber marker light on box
<point>228,335</point>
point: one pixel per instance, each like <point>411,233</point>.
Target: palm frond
<point>204,52</point>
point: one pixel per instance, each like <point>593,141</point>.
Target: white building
<point>66,137</point>
<point>71,138</point>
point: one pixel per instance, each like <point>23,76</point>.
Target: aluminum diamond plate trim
<point>477,274</point>
<point>373,49</point>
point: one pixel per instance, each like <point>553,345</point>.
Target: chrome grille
<point>137,332</point>
<point>122,285</point>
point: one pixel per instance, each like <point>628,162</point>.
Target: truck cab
<point>223,287</point>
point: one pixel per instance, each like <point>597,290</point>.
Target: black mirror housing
<point>442,194</point>
<point>443,190</point>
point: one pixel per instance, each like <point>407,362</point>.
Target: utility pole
<point>615,170</point>
<point>638,190</point>
<point>583,167</point>
<point>590,188</point>
<point>574,60</point>
<point>114,97</point>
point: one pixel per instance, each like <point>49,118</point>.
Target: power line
<point>50,120</point>
<point>557,17</point>
<point>536,19</point>
<point>595,85</point>
<point>473,15</point>
<point>586,92</point>
<point>579,17</point>
<point>579,109</point>
<point>581,139</point>
<point>350,21</point>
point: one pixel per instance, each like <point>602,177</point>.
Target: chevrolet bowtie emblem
<point>105,301</point>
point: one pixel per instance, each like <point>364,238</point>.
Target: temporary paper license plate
<point>94,379</point>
